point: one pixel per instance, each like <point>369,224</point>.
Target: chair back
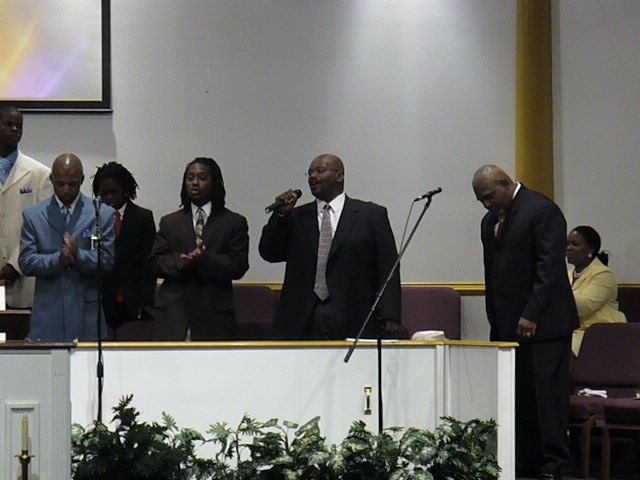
<point>609,358</point>
<point>431,308</point>
<point>629,302</point>
<point>255,310</point>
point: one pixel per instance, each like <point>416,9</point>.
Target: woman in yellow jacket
<point>594,284</point>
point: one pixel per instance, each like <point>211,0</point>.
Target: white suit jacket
<point>27,184</point>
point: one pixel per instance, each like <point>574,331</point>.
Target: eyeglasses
<point>320,171</point>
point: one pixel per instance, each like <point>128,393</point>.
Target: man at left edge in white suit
<point>58,246</point>
<point>23,183</point>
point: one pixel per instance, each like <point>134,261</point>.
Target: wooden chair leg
<point>585,449</point>
<point>606,453</point>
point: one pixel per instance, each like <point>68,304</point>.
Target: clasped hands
<point>69,252</point>
<point>194,255</point>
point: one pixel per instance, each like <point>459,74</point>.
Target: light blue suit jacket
<point>65,304</point>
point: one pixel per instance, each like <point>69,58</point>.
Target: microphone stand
<point>100,366</point>
<point>376,302</point>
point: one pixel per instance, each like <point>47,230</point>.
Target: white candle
<point>25,433</point>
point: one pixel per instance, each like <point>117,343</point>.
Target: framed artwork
<point>55,55</point>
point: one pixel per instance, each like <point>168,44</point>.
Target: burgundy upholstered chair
<point>255,310</point>
<point>621,416</point>
<point>609,360</point>
<point>431,308</point>
<point>629,302</point>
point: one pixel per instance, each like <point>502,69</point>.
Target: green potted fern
<point>273,450</point>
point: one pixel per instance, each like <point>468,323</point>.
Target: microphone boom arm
<point>381,290</point>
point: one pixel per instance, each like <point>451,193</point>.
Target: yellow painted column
<point>534,96</point>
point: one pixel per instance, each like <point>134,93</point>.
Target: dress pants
<point>542,405</point>
<point>321,325</point>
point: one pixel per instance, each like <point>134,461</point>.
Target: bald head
<point>332,161</point>
<point>67,162</point>
<point>67,177</point>
<point>493,188</point>
<point>490,174</point>
<point>326,177</point>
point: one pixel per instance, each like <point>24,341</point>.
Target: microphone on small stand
<point>281,203</point>
<point>96,238</point>
<point>96,241</point>
<point>380,292</point>
<point>429,194</point>
<point>97,201</point>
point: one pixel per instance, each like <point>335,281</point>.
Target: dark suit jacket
<point>198,296</point>
<point>132,273</point>
<point>362,254</point>
<point>525,270</point>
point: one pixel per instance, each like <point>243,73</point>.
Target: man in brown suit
<point>198,251</point>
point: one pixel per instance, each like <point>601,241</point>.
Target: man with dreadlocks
<point>127,290</point>
<point>197,252</point>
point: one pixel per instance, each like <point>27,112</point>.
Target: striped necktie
<point>324,246</point>
<point>66,211</point>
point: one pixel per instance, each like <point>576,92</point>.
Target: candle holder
<point>25,460</point>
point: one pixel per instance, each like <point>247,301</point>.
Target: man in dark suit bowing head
<point>128,290</point>
<point>339,251</point>
<point>529,300</point>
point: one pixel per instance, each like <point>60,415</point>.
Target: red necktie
<point>118,223</point>
<point>502,220</point>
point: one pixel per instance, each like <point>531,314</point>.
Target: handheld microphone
<point>96,238</point>
<point>280,203</point>
<point>429,194</point>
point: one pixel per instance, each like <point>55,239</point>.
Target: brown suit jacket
<point>198,296</point>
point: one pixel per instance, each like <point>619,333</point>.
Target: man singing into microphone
<point>58,247</point>
<point>339,252</point>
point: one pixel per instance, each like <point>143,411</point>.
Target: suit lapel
<point>209,228</point>
<point>347,219</point>
<point>54,216</point>
<point>185,226</point>
<point>309,220</point>
<point>128,222</point>
<point>17,173</point>
<point>77,213</point>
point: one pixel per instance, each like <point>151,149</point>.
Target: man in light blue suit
<point>56,247</point>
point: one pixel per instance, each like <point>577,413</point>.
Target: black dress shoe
<point>526,474</point>
<point>550,476</point>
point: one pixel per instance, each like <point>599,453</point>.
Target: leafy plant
<point>271,450</point>
<point>134,450</point>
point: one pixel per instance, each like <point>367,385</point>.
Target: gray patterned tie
<point>324,245</point>
<point>199,228</point>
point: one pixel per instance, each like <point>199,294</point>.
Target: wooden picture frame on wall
<point>55,56</point>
